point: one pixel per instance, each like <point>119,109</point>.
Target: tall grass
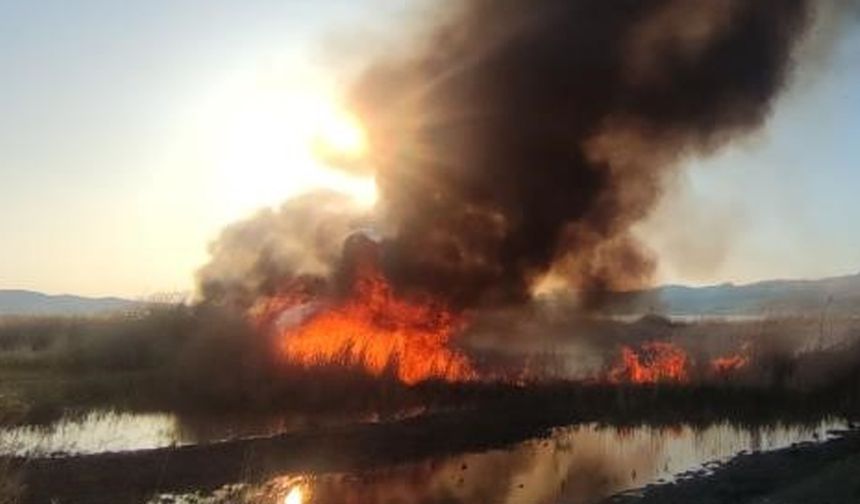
<point>175,357</point>
<point>203,358</point>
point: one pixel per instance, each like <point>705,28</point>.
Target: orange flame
<point>729,364</point>
<point>374,330</point>
<point>653,362</point>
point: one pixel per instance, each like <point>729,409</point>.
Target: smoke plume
<point>524,138</point>
<point>301,241</point>
<point>520,140</point>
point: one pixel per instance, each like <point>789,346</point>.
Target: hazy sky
<point>130,133</point>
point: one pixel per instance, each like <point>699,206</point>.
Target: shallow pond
<point>575,464</point>
<point>579,464</point>
<point>110,431</point>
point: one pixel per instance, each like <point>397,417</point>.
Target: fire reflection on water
<point>294,496</point>
<point>577,465</point>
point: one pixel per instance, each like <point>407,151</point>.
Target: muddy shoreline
<point>809,473</point>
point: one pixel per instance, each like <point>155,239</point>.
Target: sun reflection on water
<point>295,496</point>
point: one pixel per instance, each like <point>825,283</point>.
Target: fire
<point>729,364</point>
<point>654,361</point>
<point>374,330</point>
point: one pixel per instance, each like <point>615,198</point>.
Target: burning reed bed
<point>202,359</point>
<point>205,361</point>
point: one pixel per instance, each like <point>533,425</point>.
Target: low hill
<point>773,297</point>
<point>24,302</point>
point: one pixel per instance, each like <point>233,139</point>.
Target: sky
<point>132,132</point>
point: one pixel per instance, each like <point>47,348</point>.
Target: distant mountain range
<point>836,295</point>
<point>773,297</point>
<point>24,302</point>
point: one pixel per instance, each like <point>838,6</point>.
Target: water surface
<point>576,464</point>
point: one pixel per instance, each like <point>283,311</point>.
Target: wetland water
<point>575,464</point>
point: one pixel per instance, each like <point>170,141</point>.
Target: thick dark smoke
<point>524,138</point>
<point>302,240</point>
<point>520,140</point>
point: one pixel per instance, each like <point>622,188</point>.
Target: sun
<point>339,132</point>
<point>270,142</point>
